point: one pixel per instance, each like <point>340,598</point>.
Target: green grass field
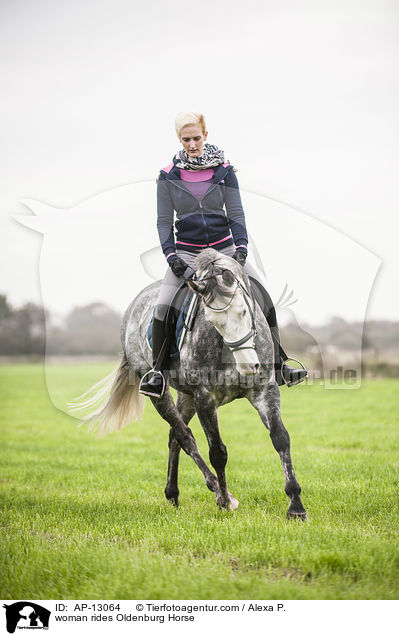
<point>85,517</point>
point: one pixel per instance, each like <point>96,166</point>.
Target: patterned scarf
<point>211,157</point>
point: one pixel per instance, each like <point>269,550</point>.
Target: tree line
<point>94,329</point>
<point>89,330</point>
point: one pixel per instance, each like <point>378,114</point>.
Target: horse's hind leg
<point>267,403</point>
<point>186,408</point>
<point>168,410</point>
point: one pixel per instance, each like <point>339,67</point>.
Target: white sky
<point>302,95</point>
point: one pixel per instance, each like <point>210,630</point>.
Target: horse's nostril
<point>257,367</point>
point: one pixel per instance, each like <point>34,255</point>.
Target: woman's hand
<point>240,257</point>
<point>178,266</point>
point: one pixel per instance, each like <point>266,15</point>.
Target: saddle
<point>179,319</point>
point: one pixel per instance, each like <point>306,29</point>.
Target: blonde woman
<point>201,188</point>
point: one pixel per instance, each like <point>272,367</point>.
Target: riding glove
<point>178,266</point>
<point>240,257</point>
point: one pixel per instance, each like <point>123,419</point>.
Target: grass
<point>85,517</point>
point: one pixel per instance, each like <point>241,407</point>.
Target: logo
<point>26,615</point>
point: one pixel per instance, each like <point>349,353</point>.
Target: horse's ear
<point>197,286</point>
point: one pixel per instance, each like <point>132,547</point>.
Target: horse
<point>227,355</point>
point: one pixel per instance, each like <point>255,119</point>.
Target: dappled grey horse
<point>227,355</point>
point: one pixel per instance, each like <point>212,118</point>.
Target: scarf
<point>211,157</point>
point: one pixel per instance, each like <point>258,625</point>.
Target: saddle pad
<point>183,324</point>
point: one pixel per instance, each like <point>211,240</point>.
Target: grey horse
<point>227,355</point>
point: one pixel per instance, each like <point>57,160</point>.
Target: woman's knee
<point>161,311</point>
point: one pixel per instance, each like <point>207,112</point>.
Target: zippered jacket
<point>216,221</point>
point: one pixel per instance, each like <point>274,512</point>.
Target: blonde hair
<point>189,119</point>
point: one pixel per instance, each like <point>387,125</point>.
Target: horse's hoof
<point>230,504</point>
<point>173,497</point>
<point>233,503</point>
<point>222,503</point>
<point>301,516</point>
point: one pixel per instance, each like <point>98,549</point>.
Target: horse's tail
<point>123,405</point>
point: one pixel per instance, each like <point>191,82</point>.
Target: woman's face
<point>193,139</point>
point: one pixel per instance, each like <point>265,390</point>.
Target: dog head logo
<point>26,615</point>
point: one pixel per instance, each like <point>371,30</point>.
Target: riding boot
<point>153,382</point>
<point>284,373</point>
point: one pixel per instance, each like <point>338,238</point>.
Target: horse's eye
<point>228,277</point>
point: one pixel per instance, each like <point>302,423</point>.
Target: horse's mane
<point>211,262</point>
<point>206,258</point>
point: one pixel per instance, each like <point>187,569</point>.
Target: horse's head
<point>229,305</point>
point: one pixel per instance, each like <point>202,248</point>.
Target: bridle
<point>237,345</point>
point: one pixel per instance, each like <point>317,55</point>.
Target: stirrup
<point>300,379</point>
<point>148,391</point>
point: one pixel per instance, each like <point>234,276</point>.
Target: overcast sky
<point>302,95</point>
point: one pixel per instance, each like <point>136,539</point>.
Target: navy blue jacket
<point>216,221</point>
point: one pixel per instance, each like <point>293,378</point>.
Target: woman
<point>203,191</point>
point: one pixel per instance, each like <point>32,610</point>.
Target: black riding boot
<point>284,373</point>
<point>153,383</point>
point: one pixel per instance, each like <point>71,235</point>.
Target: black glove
<point>240,257</point>
<point>178,266</point>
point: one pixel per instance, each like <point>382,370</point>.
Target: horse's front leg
<point>208,415</point>
<point>186,408</point>
<point>168,410</point>
<point>267,403</point>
